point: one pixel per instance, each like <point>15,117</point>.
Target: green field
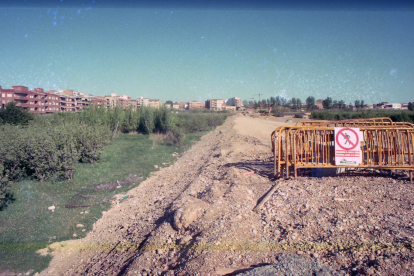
<point>27,225</point>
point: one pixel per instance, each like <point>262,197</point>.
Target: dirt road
<point>195,217</point>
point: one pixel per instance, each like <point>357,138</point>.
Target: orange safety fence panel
<point>387,146</point>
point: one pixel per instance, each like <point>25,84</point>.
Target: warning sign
<point>347,146</point>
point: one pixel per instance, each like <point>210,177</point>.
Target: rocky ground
<point>196,217</point>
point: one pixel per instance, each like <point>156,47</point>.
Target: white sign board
<point>347,146</point>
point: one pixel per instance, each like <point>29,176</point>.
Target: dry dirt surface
<point>196,217</point>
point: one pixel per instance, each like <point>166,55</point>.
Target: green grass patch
<point>27,225</point>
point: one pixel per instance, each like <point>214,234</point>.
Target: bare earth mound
<point>195,217</point>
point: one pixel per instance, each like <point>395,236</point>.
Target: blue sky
<point>184,54</point>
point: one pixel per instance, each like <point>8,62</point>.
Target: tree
<point>278,101</point>
<point>411,106</point>
<point>341,104</point>
<point>335,104</point>
<point>15,115</point>
<point>357,103</point>
<point>272,101</point>
<point>310,102</point>
<point>147,120</point>
<point>327,103</point>
<point>293,102</point>
<point>299,103</point>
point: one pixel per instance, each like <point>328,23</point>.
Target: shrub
<point>12,151</point>
<point>41,153</point>
<point>91,141</point>
<point>175,136</point>
<point>67,152</point>
<point>14,115</point>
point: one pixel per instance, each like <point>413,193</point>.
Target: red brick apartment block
<point>39,101</point>
<point>36,101</point>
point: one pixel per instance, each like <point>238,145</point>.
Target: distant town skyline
<point>198,54</point>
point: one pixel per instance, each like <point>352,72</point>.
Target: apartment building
<point>183,105</point>
<point>319,104</point>
<point>195,104</point>
<point>155,103</point>
<point>124,101</point>
<point>36,101</point>
<point>99,100</point>
<point>237,102</point>
<point>72,101</point>
<point>215,104</point>
<point>134,104</point>
<point>175,106</point>
<point>141,101</point>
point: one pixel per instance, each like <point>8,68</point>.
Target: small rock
<point>79,225</point>
<point>74,235</point>
<point>51,208</point>
<point>315,255</point>
<point>185,239</point>
<point>86,212</point>
<point>370,271</point>
<point>405,266</point>
<point>372,257</point>
<point>155,166</point>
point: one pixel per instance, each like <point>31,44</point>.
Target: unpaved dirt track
<point>195,217</point>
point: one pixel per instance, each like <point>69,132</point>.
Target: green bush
<point>12,151</point>
<point>14,115</point>
<point>91,141</point>
<point>195,122</point>
<point>395,115</point>
<point>41,156</point>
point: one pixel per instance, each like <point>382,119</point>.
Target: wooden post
<point>266,198</point>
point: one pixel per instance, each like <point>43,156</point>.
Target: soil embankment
<point>195,217</point>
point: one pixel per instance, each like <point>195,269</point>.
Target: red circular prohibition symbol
<point>347,139</point>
